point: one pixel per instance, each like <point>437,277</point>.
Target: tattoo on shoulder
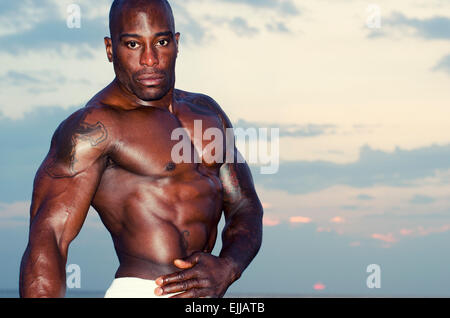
<point>94,134</point>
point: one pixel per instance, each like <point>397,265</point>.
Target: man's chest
<point>156,142</point>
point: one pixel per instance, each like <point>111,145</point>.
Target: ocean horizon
<point>12,293</point>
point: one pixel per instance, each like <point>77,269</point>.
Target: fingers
<point>189,261</point>
<point>187,282</point>
<point>183,264</point>
<point>183,286</point>
<point>175,277</point>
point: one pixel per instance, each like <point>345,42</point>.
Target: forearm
<point>42,271</point>
<point>241,239</point>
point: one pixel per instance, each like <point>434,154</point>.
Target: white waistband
<point>133,287</point>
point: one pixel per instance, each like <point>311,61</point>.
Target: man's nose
<point>149,57</point>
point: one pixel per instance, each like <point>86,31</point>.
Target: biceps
<point>60,205</point>
<point>239,191</point>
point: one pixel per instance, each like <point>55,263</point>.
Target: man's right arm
<point>64,186</point>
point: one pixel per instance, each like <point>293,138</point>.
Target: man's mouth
<point>150,79</point>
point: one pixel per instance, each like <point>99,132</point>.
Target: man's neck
<point>129,100</point>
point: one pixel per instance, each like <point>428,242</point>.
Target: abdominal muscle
<point>151,253</point>
<point>153,222</point>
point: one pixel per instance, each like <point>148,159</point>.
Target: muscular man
<point>115,154</point>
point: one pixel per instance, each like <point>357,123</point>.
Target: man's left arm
<point>205,275</point>
<point>242,235</point>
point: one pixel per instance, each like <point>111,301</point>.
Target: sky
<point>363,113</point>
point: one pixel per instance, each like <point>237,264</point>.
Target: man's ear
<point>109,49</point>
<point>177,39</point>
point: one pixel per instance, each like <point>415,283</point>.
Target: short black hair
<point>118,4</point>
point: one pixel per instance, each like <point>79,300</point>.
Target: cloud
<point>53,34</point>
<point>202,24</point>
<point>319,286</point>
<point>336,261</point>
<point>349,207</point>
<point>279,27</point>
<point>25,143</point>
<point>270,221</point>
<point>431,230</point>
<point>337,219</point>
<point>18,214</point>
<point>422,199</point>
<point>292,130</point>
<point>241,27</point>
<point>16,16</point>
<point>443,65</point>
<point>42,25</point>
<point>49,31</point>
<point>433,28</point>
<point>36,82</point>
<point>374,167</point>
<point>17,79</point>
<point>191,30</point>
<point>405,216</point>
<point>286,7</point>
<point>299,219</point>
<point>388,238</point>
<point>266,205</point>
<point>9,7</point>
<point>14,211</point>
<point>424,231</point>
<point>364,197</point>
<point>238,25</point>
<point>437,27</point>
<point>324,229</point>
<point>406,232</point>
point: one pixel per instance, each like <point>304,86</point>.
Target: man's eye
<point>163,42</point>
<point>132,45</point>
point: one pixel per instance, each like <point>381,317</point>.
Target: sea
<point>11,293</point>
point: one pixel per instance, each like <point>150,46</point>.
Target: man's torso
<point>157,210</point>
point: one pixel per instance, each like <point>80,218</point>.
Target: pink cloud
<point>356,243</point>
<point>270,221</point>
<point>388,238</point>
<point>266,205</point>
<point>427,231</point>
<point>299,219</point>
<point>319,286</point>
<point>337,219</point>
<point>406,232</point>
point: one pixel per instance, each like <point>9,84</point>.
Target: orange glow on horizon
<point>319,286</point>
<point>270,221</point>
<point>299,219</point>
<point>388,238</point>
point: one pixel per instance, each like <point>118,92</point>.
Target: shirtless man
<point>115,154</point>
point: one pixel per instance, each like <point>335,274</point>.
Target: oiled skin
<point>115,154</point>
<point>172,209</point>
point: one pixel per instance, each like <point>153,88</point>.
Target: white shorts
<point>133,287</point>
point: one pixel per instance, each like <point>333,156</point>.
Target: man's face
<point>144,49</point>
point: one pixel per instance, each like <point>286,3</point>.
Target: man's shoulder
<point>91,113</point>
<point>203,100</point>
<point>92,122</point>
<point>82,138</point>
<point>195,98</point>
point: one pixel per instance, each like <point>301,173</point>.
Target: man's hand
<point>202,275</point>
